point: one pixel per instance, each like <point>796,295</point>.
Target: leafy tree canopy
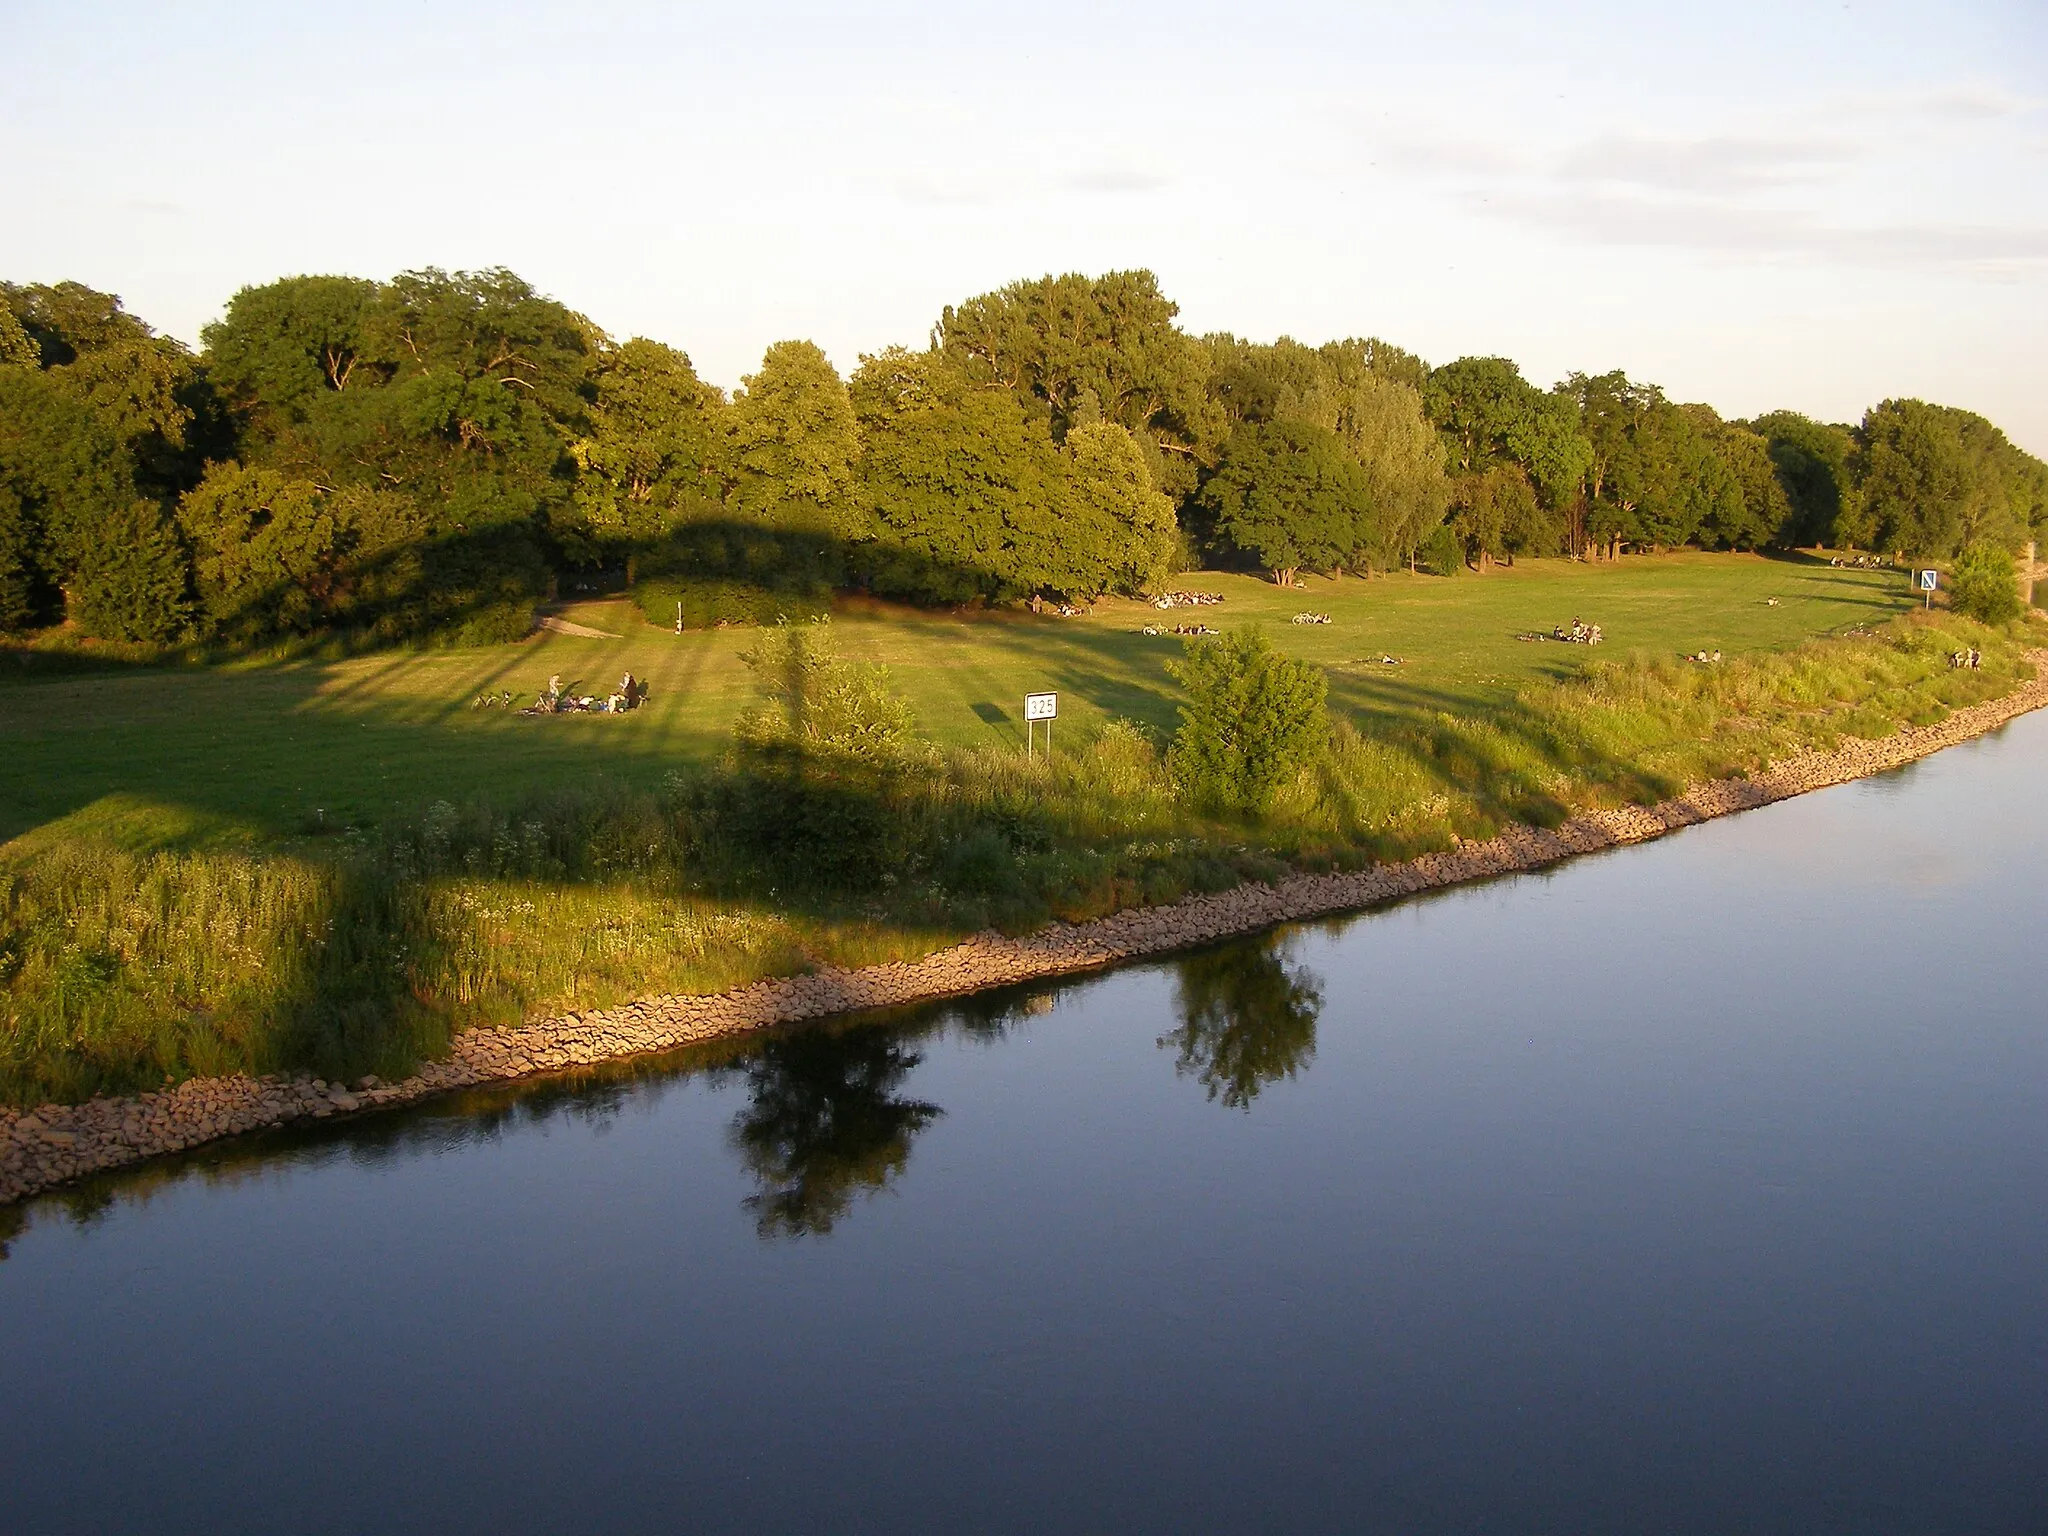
<point>282,346</point>
<point>1489,414</point>
<point>1813,464</point>
<point>656,455</point>
<point>968,494</point>
<point>17,348</point>
<point>277,555</point>
<point>1289,496</point>
<point>1113,495</point>
<point>1078,348</point>
<point>1936,479</point>
<point>795,441</point>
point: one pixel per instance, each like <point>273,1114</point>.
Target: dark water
<point>1697,1187</point>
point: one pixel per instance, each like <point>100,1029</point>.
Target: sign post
<point>1037,707</point>
<point>1929,580</point>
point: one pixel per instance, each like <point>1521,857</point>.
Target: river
<point>1699,1186</point>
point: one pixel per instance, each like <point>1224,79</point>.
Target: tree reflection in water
<point>824,1125</point>
<point>1248,1018</point>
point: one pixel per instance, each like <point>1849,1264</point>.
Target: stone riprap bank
<point>53,1144</point>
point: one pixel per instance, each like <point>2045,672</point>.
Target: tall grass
<point>362,952</point>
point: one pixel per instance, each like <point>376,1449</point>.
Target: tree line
<point>431,456</point>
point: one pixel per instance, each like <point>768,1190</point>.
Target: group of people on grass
<point>631,694</point>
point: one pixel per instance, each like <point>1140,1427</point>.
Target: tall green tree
<point>1078,349</point>
<point>283,347</point>
<point>968,493</point>
<point>142,388</point>
<point>277,555</point>
<point>461,392</point>
<point>656,455</point>
<point>796,442</point>
<point>17,348</point>
<point>67,480</point>
<point>1489,415</point>
<point>1289,496</point>
<point>1746,504</point>
<point>1112,493</point>
<point>1496,515</point>
<point>1357,390</point>
<point>20,594</point>
<point>1935,479</point>
<point>1813,464</point>
<point>1916,481</point>
<point>1651,478</point>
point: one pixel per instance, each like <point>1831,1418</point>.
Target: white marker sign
<point>1041,706</point>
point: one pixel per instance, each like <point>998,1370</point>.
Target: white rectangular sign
<point>1041,706</point>
<point>1928,580</point>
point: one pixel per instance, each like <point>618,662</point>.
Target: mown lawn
<point>211,755</point>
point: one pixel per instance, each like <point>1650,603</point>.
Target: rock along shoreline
<point>55,1144</point>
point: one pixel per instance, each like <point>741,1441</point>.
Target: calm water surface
<point>1695,1187</point>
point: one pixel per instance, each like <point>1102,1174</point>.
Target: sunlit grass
<point>281,746</point>
<point>174,926</point>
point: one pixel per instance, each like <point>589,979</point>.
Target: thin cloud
<point>1725,229</point>
<point>945,192</point>
<point>1715,165</point>
<point>1115,182</point>
<point>1756,193</point>
<point>983,187</point>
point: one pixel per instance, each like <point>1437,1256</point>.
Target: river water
<point>1701,1186</point>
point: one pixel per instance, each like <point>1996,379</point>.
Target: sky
<point>1759,206</point>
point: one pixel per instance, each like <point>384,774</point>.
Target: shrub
<point>1254,718</point>
<point>1442,552</point>
<point>17,563</point>
<point>130,582</point>
<point>1985,586</point>
<point>819,784</point>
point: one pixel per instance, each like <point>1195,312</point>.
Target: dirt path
<point>54,1144</point>
<point>548,621</point>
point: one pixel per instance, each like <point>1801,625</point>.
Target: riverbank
<point>55,1144</point>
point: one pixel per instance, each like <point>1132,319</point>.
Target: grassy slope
<point>206,755</point>
<point>221,941</point>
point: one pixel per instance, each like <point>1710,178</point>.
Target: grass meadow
<point>333,865</point>
<point>156,756</point>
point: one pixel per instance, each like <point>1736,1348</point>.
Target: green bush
<point>1443,554</point>
<point>131,579</point>
<point>1254,718</point>
<point>17,563</point>
<point>1986,585</point>
<point>823,770</point>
